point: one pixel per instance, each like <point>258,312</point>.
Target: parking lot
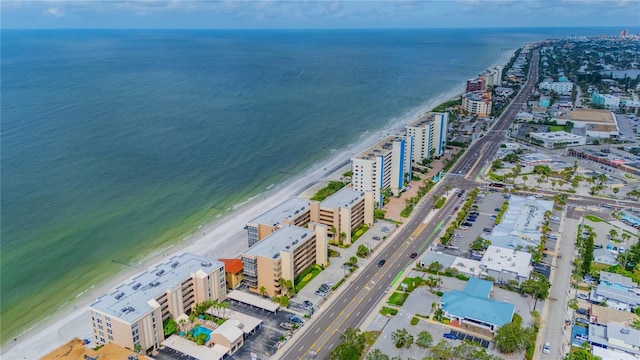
<point>419,302</point>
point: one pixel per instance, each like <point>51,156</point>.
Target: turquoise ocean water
<point>116,143</point>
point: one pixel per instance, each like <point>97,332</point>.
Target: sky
<point>278,14</point>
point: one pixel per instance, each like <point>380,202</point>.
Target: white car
<point>555,218</point>
<point>546,349</point>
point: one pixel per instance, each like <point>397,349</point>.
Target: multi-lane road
<point>362,293</point>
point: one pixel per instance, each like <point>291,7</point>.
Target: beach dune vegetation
<point>328,190</point>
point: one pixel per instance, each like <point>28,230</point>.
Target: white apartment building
<point>559,138</point>
<point>559,87</point>
<point>132,315</point>
<point>429,135</point>
<point>384,166</point>
<point>492,76</point>
<point>477,103</point>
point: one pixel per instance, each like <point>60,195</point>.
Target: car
<point>451,336</point>
<point>582,311</point>
<point>472,219</point>
<point>456,208</point>
<point>496,209</point>
<point>307,302</point>
<point>385,229</point>
<point>582,321</point>
<point>466,223</point>
<point>463,228</point>
<point>320,293</point>
<point>555,218</point>
<point>305,306</point>
<point>329,283</point>
<point>376,238</point>
<point>381,262</point>
<point>546,349</point>
<point>324,288</point>
<point>539,195</point>
<point>458,235</point>
<point>459,194</point>
<point>296,320</point>
<point>583,296</point>
<point>413,255</point>
<point>286,325</point>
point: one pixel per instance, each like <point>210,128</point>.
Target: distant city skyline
<point>275,14</point>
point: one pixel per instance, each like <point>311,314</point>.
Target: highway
<point>363,292</point>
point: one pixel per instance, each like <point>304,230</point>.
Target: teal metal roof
<point>461,304</point>
<point>478,288</point>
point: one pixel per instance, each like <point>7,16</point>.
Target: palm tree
<point>613,233</point>
<point>524,179</point>
<point>262,290</point>
<point>447,188</point>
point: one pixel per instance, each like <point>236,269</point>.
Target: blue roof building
<point>474,307</point>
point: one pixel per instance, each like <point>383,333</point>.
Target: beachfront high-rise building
<point>132,315</point>
<point>477,103</point>
<point>475,84</point>
<point>343,212</point>
<point>384,166</point>
<point>284,254</point>
<point>492,76</point>
<point>294,211</point>
<point>429,135</point>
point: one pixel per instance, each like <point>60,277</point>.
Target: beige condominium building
<point>294,211</point>
<point>344,211</point>
<point>477,103</point>
<point>429,135</point>
<point>284,254</point>
<point>384,166</point>
<point>132,315</point>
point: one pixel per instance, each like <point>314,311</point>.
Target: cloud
<point>54,11</point>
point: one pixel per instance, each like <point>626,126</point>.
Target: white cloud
<point>54,11</point>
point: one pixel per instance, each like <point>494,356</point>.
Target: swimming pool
<point>201,330</point>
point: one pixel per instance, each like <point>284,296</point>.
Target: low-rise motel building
<point>343,212</point>
<point>384,166</point>
<point>132,315</point>
<point>284,254</point>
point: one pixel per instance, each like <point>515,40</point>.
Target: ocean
<point>118,143</point>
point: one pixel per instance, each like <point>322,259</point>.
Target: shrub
<point>414,320</point>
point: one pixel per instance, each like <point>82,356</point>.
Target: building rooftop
<point>593,116</point>
<point>620,295</point>
<point>503,259</point>
<point>76,349</point>
<point>379,149</point>
<point>625,334</point>
<point>230,330</point>
<point>521,222</point>
<point>287,238</point>
<point>473,303</point>
<point>426,119</point>
<point>557,135</point>
<point>130,301</point>
<point>445,260</point>
<point>289,209</point>
<point>612,278</point>
<point>479,95</point>
<point>232,266</point>
<point>605,315</point>
<point>345,197</point>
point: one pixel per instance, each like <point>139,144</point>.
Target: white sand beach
<point>222,238</point>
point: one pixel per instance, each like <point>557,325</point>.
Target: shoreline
<point>217,238</point>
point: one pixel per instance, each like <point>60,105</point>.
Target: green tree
<point>424,339</point>
<point>511,338</point>
<point>402,338</point>
<point>362,251</point>
<point>376,354</point>
<point>262,290</point>
<point>170,327</point>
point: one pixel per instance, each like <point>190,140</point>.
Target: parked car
<point>286,325</point>
<point>546,349</point>
<point>385,229</point>
<point>496,209</point>
<point>305,306</point>
<point>472,219</point>
<point>381,262</point>
<point>320,293</point>
<point>583,311</point>
<point>466,223</point>
<point>324,288</point>
<point>413,255</point>
<point>376,238</point>
<point>583,296</point>
<point>582,321</point>
<point>329,283</point>
<point>450,336</point>
<point>295,319</point>
<point>555,218</point>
